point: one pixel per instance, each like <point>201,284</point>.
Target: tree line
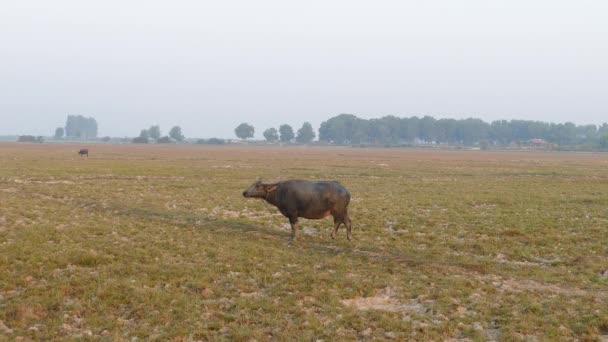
<point>285,133</point>
<point>349,129</point>
<point>388,130</point>
<point>153,134</point>
<point>80,127</point>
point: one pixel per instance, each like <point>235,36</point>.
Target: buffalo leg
<point>294,228</point>
<point>337,223</point>
<point>349,226</point>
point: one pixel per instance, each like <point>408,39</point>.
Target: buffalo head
<point>260,189</point>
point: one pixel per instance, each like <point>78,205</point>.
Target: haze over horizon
<point>209,66</point>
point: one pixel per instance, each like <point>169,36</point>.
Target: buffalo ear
<point>270,188</point>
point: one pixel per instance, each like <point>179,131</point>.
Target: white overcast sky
<point>210,65</point>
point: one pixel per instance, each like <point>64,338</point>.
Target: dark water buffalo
<point>84,151</point>
<point>311,200</point>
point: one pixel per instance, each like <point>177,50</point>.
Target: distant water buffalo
<point>311,200</point>
<point>84,151</point>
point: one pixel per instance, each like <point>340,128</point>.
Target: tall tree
<point>77,126</point>
<point>244,131</point>
<point>59,132</point>
<point>176,133</point>
<point>286,133</point>
<point>154,132</point>
<point>604,141</point>
<point>379,132</point>
<point>427,129</point>
<point>271,134</point>
<point>340,129</point>
<point>144,134</point>
<point>305,134</point>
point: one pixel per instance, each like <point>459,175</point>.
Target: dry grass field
<point>157,243</point>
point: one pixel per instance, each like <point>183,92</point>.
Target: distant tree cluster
<point>271,134</point>
<point>211,141</point>
<point>176,133</point>
<point>285,134</point>
<point>153,134</point>
<point>604,140</point>
<point>244,131</point>
<point>305,134</point>
<point>59,132</point>
<point>77,126</point>
<point>349,129</point>
<point>30,138</point>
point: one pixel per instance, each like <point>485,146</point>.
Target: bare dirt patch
<point>515,285</point>
<point>385,300</point>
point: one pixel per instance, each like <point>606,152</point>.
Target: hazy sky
<point>210,65</point>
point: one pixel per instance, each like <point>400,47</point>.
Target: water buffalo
<point>311,200</point>
<point>83,151</point>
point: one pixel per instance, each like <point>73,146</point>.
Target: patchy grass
<point>156,242</point>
